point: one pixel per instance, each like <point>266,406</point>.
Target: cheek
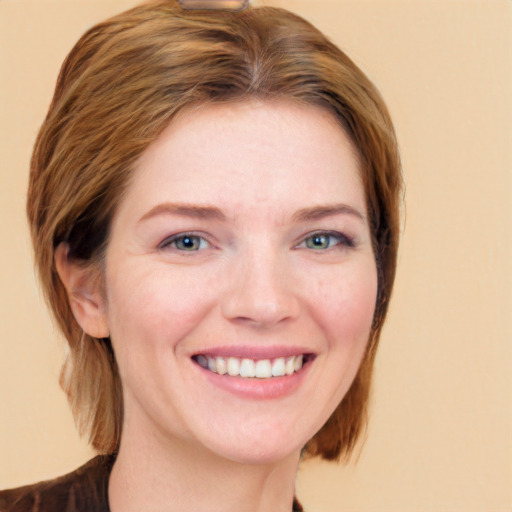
<point>151,309</point>
<point>346,305</point>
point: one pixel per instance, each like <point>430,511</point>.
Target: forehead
<point>250,153</point>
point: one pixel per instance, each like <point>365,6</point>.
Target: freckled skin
<point>254,283</point>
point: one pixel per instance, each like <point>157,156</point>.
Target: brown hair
<point>119,87</point>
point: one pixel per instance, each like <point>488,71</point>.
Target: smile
<point>252,368</point>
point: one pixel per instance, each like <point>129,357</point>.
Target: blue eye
<point>325,240</point>
<point>318,241</point>
<point>186,243</point>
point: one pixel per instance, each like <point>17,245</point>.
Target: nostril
<point>265,315</point>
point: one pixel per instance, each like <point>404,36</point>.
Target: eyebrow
<point>320,212</point>
<point>212,212</point>
<point>185,210</point>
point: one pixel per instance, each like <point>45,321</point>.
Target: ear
<point>84,291</point>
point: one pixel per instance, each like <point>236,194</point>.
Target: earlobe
<point>84,292</point>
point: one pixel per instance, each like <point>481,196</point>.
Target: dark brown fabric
<point>84,490</point>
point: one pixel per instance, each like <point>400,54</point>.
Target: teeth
<point>250,368</point>
<point>289,366</point>
<point>278,367</point>
<point>263,369</point>
<point>222,367</point>
<point>202,361</point>
<point>247,368</point>
<point>233,366</point>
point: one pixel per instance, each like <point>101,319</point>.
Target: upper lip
<point>254,351</point>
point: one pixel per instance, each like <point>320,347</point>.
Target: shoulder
<point>83,490</point>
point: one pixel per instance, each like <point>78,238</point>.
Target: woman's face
<point>240,280</point>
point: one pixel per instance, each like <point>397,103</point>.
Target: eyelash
<point>339,238</point>
<point>175,239</point>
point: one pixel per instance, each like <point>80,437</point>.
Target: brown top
<point>83,490</point>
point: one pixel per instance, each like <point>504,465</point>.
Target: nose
<point>260,292</point>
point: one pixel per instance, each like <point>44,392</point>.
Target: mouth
<point>253,368</point>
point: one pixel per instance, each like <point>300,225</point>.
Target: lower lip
<point>258,389</point>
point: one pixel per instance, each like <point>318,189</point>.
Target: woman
<point>213,203</point>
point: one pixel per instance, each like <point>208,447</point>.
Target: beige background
<point>440,436</point>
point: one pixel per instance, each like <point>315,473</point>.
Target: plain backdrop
<point>440,433</point>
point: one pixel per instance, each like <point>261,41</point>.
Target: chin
<point>261,455</point>
<point>266,447</point>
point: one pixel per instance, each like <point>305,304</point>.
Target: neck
<point>157,475</point>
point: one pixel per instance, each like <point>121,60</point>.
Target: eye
<point>186,242</point>
<point>325,240</point>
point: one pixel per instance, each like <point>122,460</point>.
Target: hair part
<point>120,86</point>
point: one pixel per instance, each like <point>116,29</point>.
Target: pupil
<point>188,242</point>
<point>318,242</point>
